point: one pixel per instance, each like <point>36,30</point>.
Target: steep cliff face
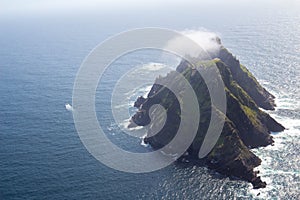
<point>247,81</point>
<point>246,126</point>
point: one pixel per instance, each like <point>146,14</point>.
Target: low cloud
<point>209,42</point>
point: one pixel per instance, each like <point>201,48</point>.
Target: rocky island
<point>246,125</point>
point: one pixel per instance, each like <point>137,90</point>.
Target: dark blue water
<point>42,157</point>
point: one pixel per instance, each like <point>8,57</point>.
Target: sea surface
<point>41,155</point>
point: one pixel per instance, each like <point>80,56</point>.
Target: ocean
<point>41,155</point>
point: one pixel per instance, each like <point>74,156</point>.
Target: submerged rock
<point>246,126</point>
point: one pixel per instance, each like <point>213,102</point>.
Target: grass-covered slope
<point>246,126</point>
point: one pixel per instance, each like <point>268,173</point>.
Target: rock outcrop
<point>246,126</point>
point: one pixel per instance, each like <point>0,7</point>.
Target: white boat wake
<point>69,107</point>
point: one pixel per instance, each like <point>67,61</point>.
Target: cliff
<point>246,126</point>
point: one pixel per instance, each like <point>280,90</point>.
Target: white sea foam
<point>68,107</point>
<point>141,91</point>
<point>287,103</point>
<point>284,101</point>
<point>264,82</point>
<point>262,193</point>
<point>153,66</point>
<point>147,90</point>
<point>121,106</point>
<point>291,125</point>
<point>143,142</point>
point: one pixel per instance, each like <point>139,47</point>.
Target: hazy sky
<point>45,7</point>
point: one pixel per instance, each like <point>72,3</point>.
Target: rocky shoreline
<point>246,125</point>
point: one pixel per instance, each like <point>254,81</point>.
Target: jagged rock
<point>246,126</point>
<point>139,102</point>
<point>247,81</point>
